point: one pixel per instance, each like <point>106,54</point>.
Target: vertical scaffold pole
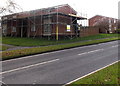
<point>34,24</point>
<point>41,24</point>
<point>22,29</point>
<point>71,25</point>
<point>57,27</point>
<point>28,20</point>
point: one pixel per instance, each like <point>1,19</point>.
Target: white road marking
<point>115,46</point>
<point>83,53</point>
<point>95,50</point>
<point>25,67</point>
<point>55,52</point>
<point>46,53</point>
<point>108,43</point>
<point>91,73</point>
<point>91,51</point>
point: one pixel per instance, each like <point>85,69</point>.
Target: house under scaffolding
<point>58,21</point>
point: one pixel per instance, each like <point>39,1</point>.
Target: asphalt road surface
<point>59,67</point>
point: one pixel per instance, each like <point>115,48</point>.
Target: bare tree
<point>10,7</point>
<point>103,25</point>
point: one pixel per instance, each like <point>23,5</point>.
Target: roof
<point>55,13</point>
<point>78,17</point>
<point>37,12</point>
<point>101,16</point>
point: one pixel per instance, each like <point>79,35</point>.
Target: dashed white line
<point>83,53</point>
<point>25,67</point>
<point>95,50</point>
<point>115,46</point>
<point>91,51</point>
<point>54,52</point>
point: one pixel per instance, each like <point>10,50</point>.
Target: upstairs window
<point>47,20</point>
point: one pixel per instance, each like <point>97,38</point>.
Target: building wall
<point>63,21</point>
<point>24,21</point>
<point>96,20</point>
<point>89,31</point>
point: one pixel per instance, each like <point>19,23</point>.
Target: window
<point>47,20</point>
<point>114,21</point>
<point>4,18</point>
<point>14,29</point>
<point>14,16</point>
<point>33,28</point>
<point>115,28</point>
<point>47,29</point>
<point>4,28</point>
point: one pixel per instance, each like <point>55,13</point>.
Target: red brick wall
<point>94,19</point>
<point>62,25</point>
<point>89,31</point>
<point>98,18</point>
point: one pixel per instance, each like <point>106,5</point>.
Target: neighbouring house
<point>57,21</point>
<point>105,24</point>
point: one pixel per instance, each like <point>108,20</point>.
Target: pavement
<point>13,47</point>
<point>59,67</point>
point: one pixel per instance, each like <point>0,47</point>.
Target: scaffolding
<point>46,23</point>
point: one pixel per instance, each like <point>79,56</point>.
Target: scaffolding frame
<point>32,19</point>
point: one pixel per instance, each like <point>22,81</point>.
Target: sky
<point>88,8</point>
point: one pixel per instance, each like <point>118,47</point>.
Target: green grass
<point>107,76</point>
<point>3,47</point>
<point>42,42</point>
<point>30,51</point>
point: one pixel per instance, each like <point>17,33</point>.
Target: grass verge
<point>3,47</point>
<point>37,50</point>
<point>42,42</point>
<point>105,77</point>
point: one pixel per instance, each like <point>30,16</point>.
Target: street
<point>59,67</point>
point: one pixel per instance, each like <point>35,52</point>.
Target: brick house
<point>105,24</point>
<point>53,21</point>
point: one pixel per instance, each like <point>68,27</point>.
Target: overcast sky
<point>90,7</point>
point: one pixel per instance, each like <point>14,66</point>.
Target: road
<point>59,67</point>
